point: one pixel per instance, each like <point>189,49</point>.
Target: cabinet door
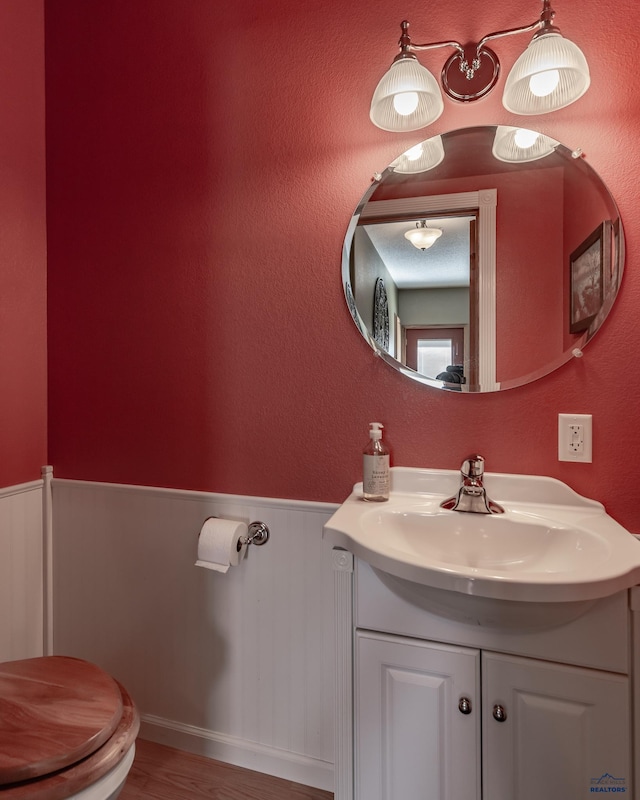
<point>564,732</point>
<point>412,742</point>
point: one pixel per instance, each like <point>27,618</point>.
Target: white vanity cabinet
<point>563,729</point>
<point>428,726</point>
<point>447,710</point>
<point>411,739</point>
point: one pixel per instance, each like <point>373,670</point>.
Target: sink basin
<point>551,546</point>
<point>514,543</point>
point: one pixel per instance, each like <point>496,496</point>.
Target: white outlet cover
<point>565,453</point>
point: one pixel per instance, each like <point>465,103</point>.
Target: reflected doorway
<point>435,287</point>
<point>434,292</point>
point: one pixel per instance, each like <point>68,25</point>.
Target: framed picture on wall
<point>588,265</point>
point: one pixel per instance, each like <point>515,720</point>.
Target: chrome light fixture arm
<point>500,34</point>
<point>545,22</point>
<point>407,47</point>
<point>532,87</point>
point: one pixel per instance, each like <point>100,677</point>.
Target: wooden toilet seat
<point>63,724</point>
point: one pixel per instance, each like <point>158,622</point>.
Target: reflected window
<point>433,351</point>
<point>434,356</point>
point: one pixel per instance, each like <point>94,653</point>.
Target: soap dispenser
<point>376,478</point>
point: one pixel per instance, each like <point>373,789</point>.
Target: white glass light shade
<point>528,90</point>
<point>517,145</point>
<point>407,98</point>
<point>420,158</point>
<point>423,238</point>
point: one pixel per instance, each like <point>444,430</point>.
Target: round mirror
<point>483,259</point>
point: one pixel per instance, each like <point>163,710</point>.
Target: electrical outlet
<point>574,437</point>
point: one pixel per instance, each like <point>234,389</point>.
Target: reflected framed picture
<point>616,257</point>
<point>588,264</point>
<point>381,315</point>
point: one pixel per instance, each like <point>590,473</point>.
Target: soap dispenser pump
<point>376,478</point>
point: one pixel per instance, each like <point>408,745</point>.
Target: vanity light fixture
<point>423,237</point>
<point>518,145</point>
<point>550,74</point>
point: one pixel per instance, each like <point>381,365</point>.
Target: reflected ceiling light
<point>420,158</point>
<point>550,74</point>
<point>520,144</point>
<point>423,237</point>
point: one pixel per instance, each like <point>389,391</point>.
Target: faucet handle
<point>472,467</point>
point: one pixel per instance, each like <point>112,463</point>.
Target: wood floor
<point>162,773</point>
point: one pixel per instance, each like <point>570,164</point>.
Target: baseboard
<point>240,752</point>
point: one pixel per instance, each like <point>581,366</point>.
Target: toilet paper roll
<point>221,544</point>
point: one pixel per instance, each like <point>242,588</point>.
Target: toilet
<point>67,731</point>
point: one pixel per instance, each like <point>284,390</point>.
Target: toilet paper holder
<point>258,534</point>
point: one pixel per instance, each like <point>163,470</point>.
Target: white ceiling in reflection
<point>444,265</point>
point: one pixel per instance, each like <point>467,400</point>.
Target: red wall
<point>529,286</point>
<point>203,162</point>
<point>23,355</point>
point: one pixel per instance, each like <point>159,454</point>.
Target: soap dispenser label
<point>376,475</point>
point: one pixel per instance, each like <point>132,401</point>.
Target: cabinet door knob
<point>499,714</point>
<point>464,706</point>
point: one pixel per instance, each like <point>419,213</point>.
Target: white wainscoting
<point>21,571</point>
<point>236,666</point>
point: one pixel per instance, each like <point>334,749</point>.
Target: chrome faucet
<point>472,496</point>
